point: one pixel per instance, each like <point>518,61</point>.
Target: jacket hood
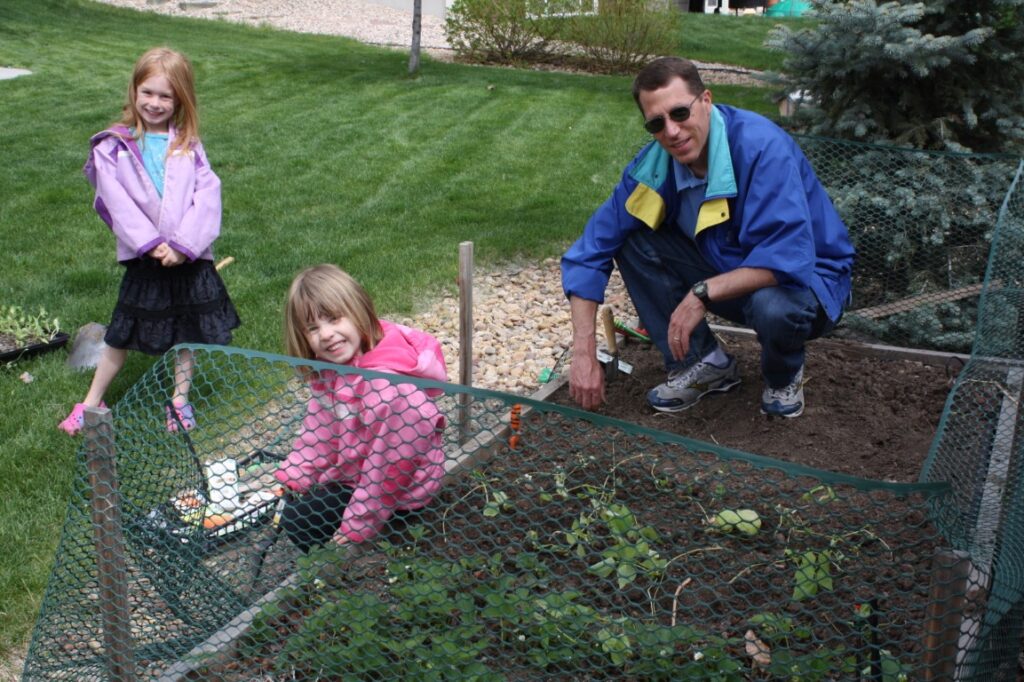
<point>405,350</point>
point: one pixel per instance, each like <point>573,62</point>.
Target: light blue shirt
<point>154,158</point>
<point>691,191</point>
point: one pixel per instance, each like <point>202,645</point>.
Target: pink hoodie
<point>381,438</point>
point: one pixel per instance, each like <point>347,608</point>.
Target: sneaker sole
<point>791,415</point>
<point>719,389</point>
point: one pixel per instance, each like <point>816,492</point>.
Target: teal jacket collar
<point>652,171</point>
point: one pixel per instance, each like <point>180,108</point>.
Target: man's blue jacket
<point>763,208</point>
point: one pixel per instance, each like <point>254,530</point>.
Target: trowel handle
<point>609,329</point>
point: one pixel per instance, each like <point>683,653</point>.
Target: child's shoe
<point>184,415</point>
<point>75,421</point>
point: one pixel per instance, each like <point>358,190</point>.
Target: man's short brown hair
<point>662,71</point>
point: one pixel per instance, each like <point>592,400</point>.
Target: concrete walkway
<point>7,73</point>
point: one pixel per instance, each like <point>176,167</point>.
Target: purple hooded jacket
<point>187,216</point>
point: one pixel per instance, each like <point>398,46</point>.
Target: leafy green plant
<point>782,634</point>
<point>432,616</point>
<point>882,664</point>
<point>630,552</point>
<point>813,572</point>
<point>20,328</point>
<point>814,554</point>
<point>442,619</point>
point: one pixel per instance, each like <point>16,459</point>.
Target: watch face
<point>700,290</point>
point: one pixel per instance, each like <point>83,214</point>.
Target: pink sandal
<point>184,415</point>
<point>75,421</point>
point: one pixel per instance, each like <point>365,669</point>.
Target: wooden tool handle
<point>224,262</point>
<point>609,330</point>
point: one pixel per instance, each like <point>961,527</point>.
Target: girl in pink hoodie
<point>367,447</point>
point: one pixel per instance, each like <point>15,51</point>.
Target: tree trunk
<point>414,53</point>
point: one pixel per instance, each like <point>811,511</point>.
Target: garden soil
<point>866,416</point>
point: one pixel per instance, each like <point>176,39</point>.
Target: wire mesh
<point>561,545</point>
<point>513,539</point>
<point>978,451</point>
<point>922,223</point>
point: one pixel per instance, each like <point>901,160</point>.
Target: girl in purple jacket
<point>367,448</point>
<point>156,192</point>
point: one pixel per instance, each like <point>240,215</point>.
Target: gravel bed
<point>367,22</point>
<point>521,324</point>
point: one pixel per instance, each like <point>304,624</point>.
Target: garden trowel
<point>610,359</point>
<point>88,346</point>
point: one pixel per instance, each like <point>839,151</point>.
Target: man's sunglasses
<point>679,114</point>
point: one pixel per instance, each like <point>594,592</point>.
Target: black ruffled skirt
<point>159,307</point>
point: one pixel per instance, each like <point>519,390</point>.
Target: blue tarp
<point>787,8</point>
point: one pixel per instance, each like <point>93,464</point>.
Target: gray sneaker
<point>686,386</point>
<point>787,401</point>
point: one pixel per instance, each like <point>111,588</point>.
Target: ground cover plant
<point>580,551</point>
<point>327,151</point>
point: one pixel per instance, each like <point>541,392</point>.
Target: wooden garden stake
<point>951,570</point>
<point>465,333</point>
<point>110,551</point>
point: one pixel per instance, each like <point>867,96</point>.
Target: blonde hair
<point>178,70</point>
<point>327,291</point>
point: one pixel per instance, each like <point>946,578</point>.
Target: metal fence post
<point>105,502</point>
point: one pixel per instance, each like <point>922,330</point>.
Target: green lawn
<point>731,39</point>
<point>327,151</point>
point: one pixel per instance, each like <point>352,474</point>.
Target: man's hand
<point>691,310</point>
<point>586,376</point>
<point>685,318</point>
<point>586,381</point>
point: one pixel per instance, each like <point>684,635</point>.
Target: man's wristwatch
<point>700,290</point>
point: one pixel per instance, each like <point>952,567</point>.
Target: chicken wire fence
<point>541,542</point>
<point>922,224</point>
<point>978,449</point>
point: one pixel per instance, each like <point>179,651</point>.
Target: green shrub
<point>938,74</point>
<point>625,34</point>
<point>504,31</point>
<point>620,37</point>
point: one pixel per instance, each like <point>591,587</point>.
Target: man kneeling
<point>722,212</point>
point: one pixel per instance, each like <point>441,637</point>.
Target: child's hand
<point>339,538</point>
<point>159,252</point>
<point>172,257</point>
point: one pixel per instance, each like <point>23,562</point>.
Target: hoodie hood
<point>405,350</point>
